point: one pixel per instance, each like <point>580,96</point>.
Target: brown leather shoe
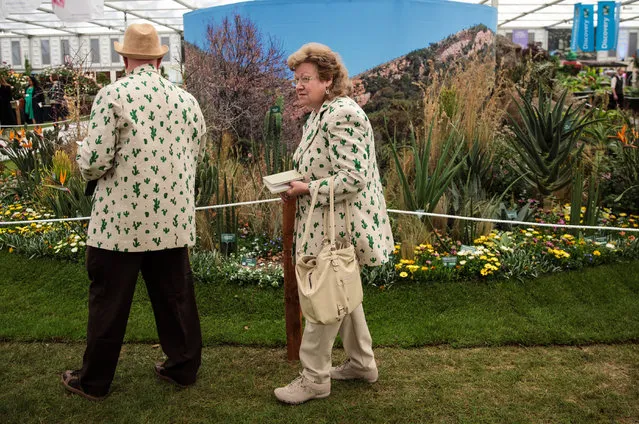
<point>71,382</point>
<point>160,372</point>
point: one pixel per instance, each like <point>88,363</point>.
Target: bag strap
<point>331,214</point>
<point>308,219</point>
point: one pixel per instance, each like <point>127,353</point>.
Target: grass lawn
<point>592,384</point>
<point>558,349</point>
<point>46,300</point>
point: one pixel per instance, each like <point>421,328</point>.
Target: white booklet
<point>279,183</point>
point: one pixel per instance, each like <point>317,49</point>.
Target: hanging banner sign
<point>587,28</point>
<point>8,7</point>
<point>607,25</point>
<point>78,10</point>
<point>576,24</point>
<point>520,36</point>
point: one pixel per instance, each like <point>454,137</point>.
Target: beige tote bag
<point>329,284</point>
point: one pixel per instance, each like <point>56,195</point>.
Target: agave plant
<point>429,184</point>
<point>546,140</point>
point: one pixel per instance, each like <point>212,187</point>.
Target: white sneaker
<point>301,390</point>
<point>347,371</point>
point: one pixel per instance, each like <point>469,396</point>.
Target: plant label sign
<point>248,261</point>
<point>228,238</point>
<point>449,261</point>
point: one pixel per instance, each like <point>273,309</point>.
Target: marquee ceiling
<point>166,15</point>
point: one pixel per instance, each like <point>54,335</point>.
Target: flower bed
<point>513,253</point>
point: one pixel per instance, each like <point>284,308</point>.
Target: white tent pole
<point>185,4</point>
<point>137,15</point>
<point>91,22</point>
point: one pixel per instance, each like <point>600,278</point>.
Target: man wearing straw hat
<point>145,137</point>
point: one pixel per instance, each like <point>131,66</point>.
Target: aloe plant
<point>546,141</point>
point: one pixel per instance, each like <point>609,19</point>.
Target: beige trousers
<point>317,344</point>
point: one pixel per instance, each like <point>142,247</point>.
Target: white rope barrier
<point>230,205</point>
<point>44,221</point>
<point>434,215</point>
<point>86,218</point>
<point>43,124</point>
<point>504,221</point>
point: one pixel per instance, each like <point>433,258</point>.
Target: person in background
<point>34,101</point>
<point>616,83</point>
<point>337,143</point>
<point>56,96</point>
<point>145,138</point>
<point>7,114</point>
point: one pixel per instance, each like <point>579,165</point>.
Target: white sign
<point>78,10</point>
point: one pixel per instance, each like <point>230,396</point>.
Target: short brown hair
<point>329,66</point>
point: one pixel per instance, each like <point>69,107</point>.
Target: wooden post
<point>291,299</point>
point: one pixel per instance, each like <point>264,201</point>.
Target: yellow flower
<point>413,268</point>
<point>11,250</point>
<point>596,253</point>
<point>398,266</point>
<point>403,274</point>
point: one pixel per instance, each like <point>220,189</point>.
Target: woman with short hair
<point>338,144</point>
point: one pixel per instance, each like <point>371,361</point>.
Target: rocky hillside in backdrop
<point>388,89</point>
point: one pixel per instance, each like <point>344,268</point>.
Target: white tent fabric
<point>78,10</point>
<point>41,20</point>
<point>551,13</point>
<point>166,15</point>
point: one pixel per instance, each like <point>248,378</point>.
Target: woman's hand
<point>298,188</point>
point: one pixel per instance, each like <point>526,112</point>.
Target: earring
<point>327,92</point>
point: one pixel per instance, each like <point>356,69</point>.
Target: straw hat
<point>141,41</point>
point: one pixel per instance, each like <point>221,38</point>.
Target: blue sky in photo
<point>366,33</point>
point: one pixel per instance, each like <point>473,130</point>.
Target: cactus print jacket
<point>338,143</point>
<point>145,137</point>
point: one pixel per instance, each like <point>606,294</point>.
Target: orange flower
<point>38,130</point>
<point>12,135</point>
<point>63,176</point>
<point>621,135</point>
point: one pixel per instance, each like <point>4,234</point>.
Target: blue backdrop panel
<point>366,33</point>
